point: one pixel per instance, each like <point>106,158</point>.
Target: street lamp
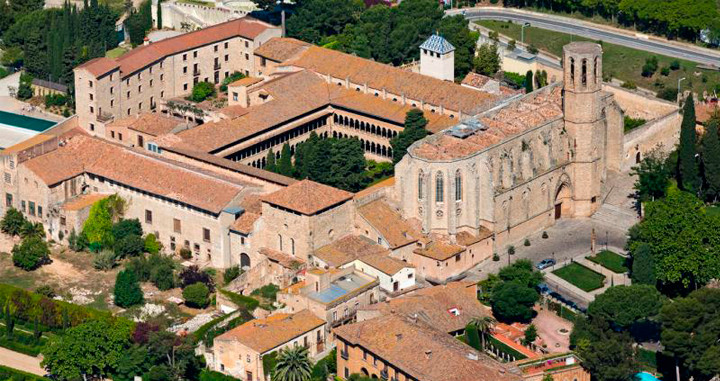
<point>678,88</point>
<point>522,32</point>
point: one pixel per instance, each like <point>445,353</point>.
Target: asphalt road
<point>579,28</point>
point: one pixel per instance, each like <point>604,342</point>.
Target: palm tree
<point>293,364</point>
<point>483,325</point>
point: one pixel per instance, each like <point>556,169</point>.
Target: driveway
<point>20,361</point>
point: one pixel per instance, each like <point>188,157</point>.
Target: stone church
<point>516,168</point>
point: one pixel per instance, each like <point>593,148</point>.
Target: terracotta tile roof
<point>307,197</point>
<point>439,250</point>
<point>150,123</point>
<point>423,352</point>
<point>348,249</point>
<point>475,80</point>
<point>385,263</point>
<point>394,80</point>
<point>513,118</point>
<point>99,66</point>
<point>389,182</point>
<point>140,170</point>
<point>292,95</point>
<point>281,49</point>
<point>283,259</point>
<point>396,231</point>
<point>244,224</point>
<point>448,307</point>
<point>247,81</point>
<point>263,335</point>
<point>466,238</point>
<point>83,201</point>
<point>65,128</point>
<point>142,56</point>
<point>234,111</point>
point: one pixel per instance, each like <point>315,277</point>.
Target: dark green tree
<point>270,161</point>
<point>127,289</point>
<point>487,60</point>
<point>530,334</point>
<point>159,15</point>
<point>529,82</point>
<point>414,130</point>
<point>316,19</point>
<point>12,222</point>
<point>643,266</point>
<point>513,302</point>
<point>284,166</point>
<point>196,295</point>
<point>653,176</point>
<point>202,91</point>
<point>523,272</point>
<point>625,305</point>
<point>455,30</point>
<point>31,253</point>
<point>293,364</point>
<point>688,174</point>
<point>608,355</point>
<point>347,165</point>
<point>126,227</point>
<point>711,160</point>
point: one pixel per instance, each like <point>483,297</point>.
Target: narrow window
<point>458,186</point>
<point>584,73</point>
<point>572,71</point>
<point>206,234</point>
<point>148,216</point>
<point>420,186</point>
<point>177,226</point>
<point>439,191</point>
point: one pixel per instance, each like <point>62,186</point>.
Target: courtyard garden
<point>581,277</point>
<point>611,261</point>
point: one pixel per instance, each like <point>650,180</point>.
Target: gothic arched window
<point>421,177</point>
<point>439,188</point>
<point>458,186</point>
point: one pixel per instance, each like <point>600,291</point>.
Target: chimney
<point>428,354</point>
<point>398,336</point>
<point>146,41</point>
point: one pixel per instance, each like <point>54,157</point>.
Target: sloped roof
<point>263,335</point>
<point>389,223</point>
<point>437,44</point>
<point>150,123</point>
<point>280,49</point>
<point>348,249</point>
<point>307,197</point>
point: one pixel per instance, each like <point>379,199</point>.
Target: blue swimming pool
<point>645,376</point>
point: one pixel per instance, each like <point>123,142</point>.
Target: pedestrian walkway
<point>21,362</point>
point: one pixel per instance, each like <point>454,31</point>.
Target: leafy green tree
<point>152,245</point>
<point>89,350</point>
<point>483,325</point>
<point>682,238</point>
<point>30,229</point>
<point>284,166</point>
<point>606,354</point>
<point>316,19</point>
<point>196,295</point>
<point>132,363</point>
<point>487,60</point>
<point>126,227</point>
<point>127,289</point>
<point>230,79</point>
<point>129,246</point>
<point>626,305</point>
<point>530,334</point>
<point>231,273</point>
<point>653,176</point>
<point>202,91</point>
<point>347,165</point>
<point>513,301</point>
<point>455,30</point>
<point>12,57</point>
<point>523,272</point>
<point>98,226</point>
<point>690,329</point>
<point>711,160</point>
<point>173,355</point>
<point>12,222</point>
<point>529,82</point>
<point>163,276</point>
<point>643,266</point>
<point>413,130</point>
<point>688,174</point>
<point>293,364</point>
<point>31,253</point>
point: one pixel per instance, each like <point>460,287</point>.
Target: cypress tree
<point>127,289</point>
<point>413,130</point>
<point>270,161</point>
<point>688,174</point>
<point>711,159</point>
<point>285,167</point>
<point>529,82</point>
<point>159,15</point>
<point>643,266</point>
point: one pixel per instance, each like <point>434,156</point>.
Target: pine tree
<point>688,174</point>
<point>711,159</point>
<point>529,82</point>
<point>413,131</point>
<point>270,161</point>
<point>127,289</point>
<point>285,164</point>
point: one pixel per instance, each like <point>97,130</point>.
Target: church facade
<point>518,167</point>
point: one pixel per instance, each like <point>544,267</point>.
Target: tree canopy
<point>625,305</point>
<point>413,130</point>
<point>31,253</point>
<point>688,174</point>
<point>608,355</point>
<point>513,301</point>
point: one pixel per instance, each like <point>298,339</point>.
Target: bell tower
<point>437,58</point>
<point>584,122</point>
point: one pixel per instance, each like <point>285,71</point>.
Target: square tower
<point>437,58</point>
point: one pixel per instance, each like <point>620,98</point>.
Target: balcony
<point>196,72</point>
<point>104,117</point>
<point>217,66</point>
<point>344,355</point>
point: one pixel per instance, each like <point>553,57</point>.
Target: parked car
<point>545,263</point>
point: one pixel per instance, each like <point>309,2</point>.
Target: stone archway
<point>244,261</point>
<point>563,200</point>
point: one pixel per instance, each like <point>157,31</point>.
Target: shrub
<point>675,65</point>
<point>268,291</point>
<point>545,235</point>
<point>55,100</point>
<point>124,228</point>
<point>532,49</point>
<point>127,289</point>
<point>511,250</point>
<point>46,291</point>
<point>129,246</point>
<point>668,94</point>
<point>162,276</point>
<point>210,375</point>
<point>192,274</point>
<point>202,91</point>
<point>77,242</point>
<point>196,295</point>
<point>152,245</point>
<point>105,260</point>
<point>629,85</point>
<point>12,222</point>
<point>665,71</point>
<point>650,67</point>
<point>496,257</point>
<point>527,242</point>
<point>31,253</point>
<point>231,273</point>
<point>230,79</point>
<point>185,253</point>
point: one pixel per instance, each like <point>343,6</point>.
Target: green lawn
<point>581,276</point>
<point>115,53</point>
<point>618,61</point>
<point>611,261</point>
<point>713,210</point>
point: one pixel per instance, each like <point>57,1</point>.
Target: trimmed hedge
<point>17,375</point>
<point>211,375</point>
<point>23,343</point>
<point>246,302</point>
<point>51,313</point>
<point>502,347</point>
